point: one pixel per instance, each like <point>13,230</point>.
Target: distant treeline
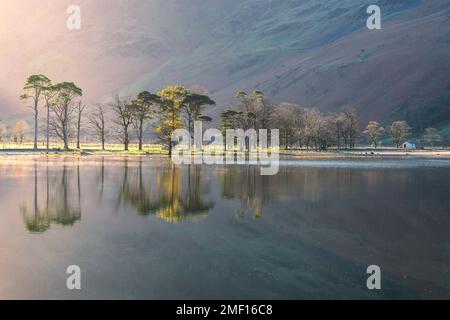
<point>126,119</point>
<point>311,129</point>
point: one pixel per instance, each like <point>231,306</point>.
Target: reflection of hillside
<point>390,217</point>
<point>170,193</point>
<point>290,184</point>
<point>59,203</point>
<point>247,185</point>
<point>397,219</point>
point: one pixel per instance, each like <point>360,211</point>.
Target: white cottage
<point>409,146</point>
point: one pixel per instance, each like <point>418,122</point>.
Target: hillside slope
<point>311,52</point>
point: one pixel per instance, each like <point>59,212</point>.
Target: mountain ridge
<point>310,52</point>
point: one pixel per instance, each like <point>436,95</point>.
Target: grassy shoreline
<point>300,154</point>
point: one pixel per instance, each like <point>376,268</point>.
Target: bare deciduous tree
<point>399,131</point>
<point>287,119</point>
<point>61,123</point>
<point>3,131</point>
<point>339,127</point>
<point>374,132</point>
<point>351,126</point>
<point>19,131</point>
<point>326,135</point>
<point>313,119</point>
<point>97,121</point>
<point>79,110</point>
<point>123,110</point>
<point>432,137</point>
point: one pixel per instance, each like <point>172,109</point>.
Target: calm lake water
<point>143,228</point>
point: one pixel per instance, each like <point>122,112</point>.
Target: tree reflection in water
<point>256,192</point>
<point>172,194</point>
<point>62,204</point>
<point>246,184</point>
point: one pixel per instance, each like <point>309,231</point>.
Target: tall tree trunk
<point>191,128</point>
<point>170,148</point>
<point>80,110</point>
<point>78,136</point>
<point>66,142</point>
<point>339,140</point>
<point>48,129</point>
<point>65,128</point>
<point>141,124</point>
<point>103,133</point>
<point>36,115</point>
<point>36,205</point>
<point>126,140</point>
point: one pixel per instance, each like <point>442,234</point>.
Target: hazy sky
<point>34,39</point>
